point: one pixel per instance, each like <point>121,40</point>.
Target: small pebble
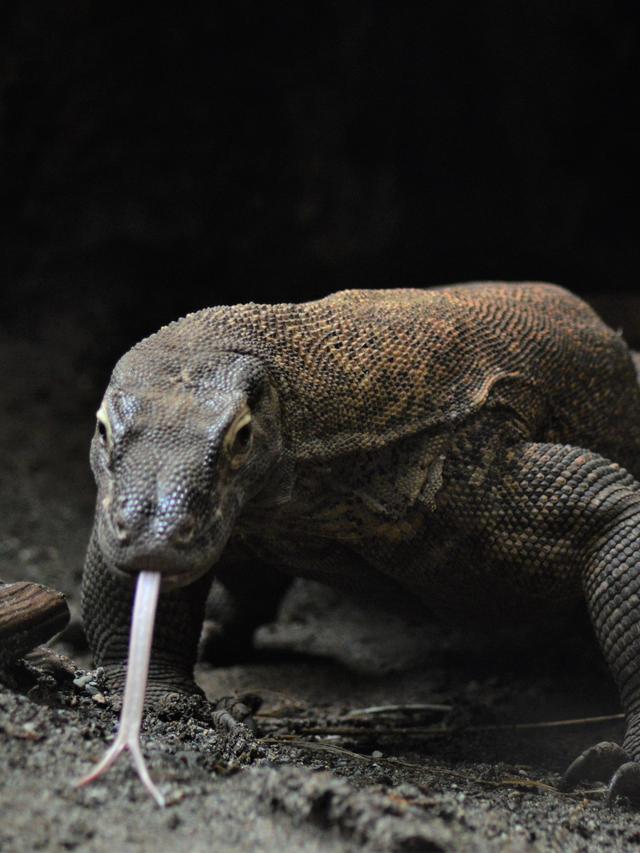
<point>376,754</point>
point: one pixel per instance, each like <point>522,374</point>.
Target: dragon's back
<point>362,368</point>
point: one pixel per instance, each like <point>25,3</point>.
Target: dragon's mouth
<point>140,639</point>
<point>168,580</point>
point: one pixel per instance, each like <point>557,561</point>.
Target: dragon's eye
<point>237,442</point>
<point>104,426</point>
<point>243,438</point>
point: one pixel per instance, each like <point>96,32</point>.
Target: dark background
<point>155,163</point>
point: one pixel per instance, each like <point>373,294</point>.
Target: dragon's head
<point>179,448</point>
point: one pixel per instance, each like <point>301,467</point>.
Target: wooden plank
<point>30,614</point>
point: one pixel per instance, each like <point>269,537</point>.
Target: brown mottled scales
<point>473,447</point>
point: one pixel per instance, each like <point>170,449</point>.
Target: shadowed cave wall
<point>154,165</point>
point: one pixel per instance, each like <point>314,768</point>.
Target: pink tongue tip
<point>141,636</point>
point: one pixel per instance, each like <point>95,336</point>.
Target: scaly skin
<point>473,447</point>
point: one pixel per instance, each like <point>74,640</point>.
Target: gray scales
<point>473,448</point>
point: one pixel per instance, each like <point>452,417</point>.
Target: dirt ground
<point>322,772</point>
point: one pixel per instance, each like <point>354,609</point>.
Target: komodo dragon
<point>473,447</point>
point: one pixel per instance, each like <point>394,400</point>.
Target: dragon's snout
<point>160,531</point>
<point>177,529</point>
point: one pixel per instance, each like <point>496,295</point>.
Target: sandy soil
<point>314,776</point>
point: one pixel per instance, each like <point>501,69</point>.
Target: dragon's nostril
<point>184,530</point>
<point>121,528</point>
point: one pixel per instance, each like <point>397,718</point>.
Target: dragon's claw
<point>606,762</point>
<point>626,783</point>
<point>598,762</point>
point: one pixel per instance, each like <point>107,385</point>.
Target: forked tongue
<point>140,638</point>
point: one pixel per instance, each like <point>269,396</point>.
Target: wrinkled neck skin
<point>178,458</point>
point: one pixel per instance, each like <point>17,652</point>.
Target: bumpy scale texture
<point>474,448</point>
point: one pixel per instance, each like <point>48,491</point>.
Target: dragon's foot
<point>606,762</point>
<point>598,763</point>
<point>227,715</point>
<point>166,687</point>
<point>233,721</point>
<point>229,712</point>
